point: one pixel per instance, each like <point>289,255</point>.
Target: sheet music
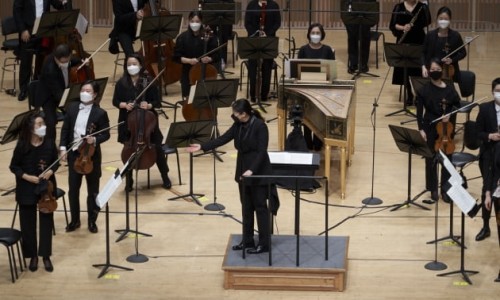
<point>455,178</point>
<point>64,97</point>
<point>291,158</point>
<point>496,194</point>
<point>108,190</point>
<point>81,24</point>
<point>138,31</point>
<point>36,25</point>
<point>192,91</point>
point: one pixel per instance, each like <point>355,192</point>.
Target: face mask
<point>443,24</point>
<point>496,95</point>
<point>133,70</point>
<point>195,26</point>
<point>86,97</point>
<point>436,75</point>
<point>40,131</point>
<point>315,38</point>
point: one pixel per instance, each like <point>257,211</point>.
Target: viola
<point>84,164</point>
<point>444,140</point>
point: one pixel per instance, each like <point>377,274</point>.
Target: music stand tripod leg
<point>191,194</point>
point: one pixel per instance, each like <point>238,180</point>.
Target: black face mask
<point>436,75</point>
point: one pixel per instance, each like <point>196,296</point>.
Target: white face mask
<point>40,131</point>
<point>195,26</point>
<point>443,24</point>
<point>133,70</point>
<point>496,95</point>
<point>315,38</point>
<point>86,97</point>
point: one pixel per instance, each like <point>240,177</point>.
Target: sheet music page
<point>64,97</point>
<point>138,31</point>
<point>192,91</point>
<point>279,157</point>
<point>290,158</point>
<point>36,25</point>
<point>455,178</point>
<point>81,24</point>
<point>461,198</point>
<point>496,194</point>
<point>302,158</point>
<point>108,190</point>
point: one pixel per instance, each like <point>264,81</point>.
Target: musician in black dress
<point>488,130</point>
<point>435,99</point>
<point>251,138</point>
<point>315,49</point>
<point>189,48</point>
<point>440,42</point>
<point>409,19</point>
<point>82,119</point>
<point>267,13</point>
<point>34,154</point>
<point>127,13</point>
<point>127,89</point>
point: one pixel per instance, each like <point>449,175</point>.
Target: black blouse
<point>325,52</point>
<point>430,98</point>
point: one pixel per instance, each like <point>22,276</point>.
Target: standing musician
<point>435,99</point>
<point>262,18</point>
<point>493,199</point>
<point>81,119</point>
<point>316,50</point>
<point>25,13</point>
<point>53,80</point>
<point>127,13</point>
<point>189,47</point>
<point>442,41</point>
<point>488,130</point>
<point>32,155</point>
<point>408,23</point>
<point>127,89</point>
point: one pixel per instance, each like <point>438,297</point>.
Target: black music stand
<point>157,29</point>
<point>410,141</point>
<point>219,14</point>
<point>258,49</point>
<point>361,13</point>
<point>404,56</point>
<point>182,134</point>
<point>56,23</point>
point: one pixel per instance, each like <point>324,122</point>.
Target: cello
<point>85,71</point>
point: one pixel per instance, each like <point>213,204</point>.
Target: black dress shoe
<point>167,184</point>
<point>48,264</point>
<point>483,233</point>
<point>239,247</point>
<point>93,227</point>
<point>352,70</point>
<point>364,69</point>
<point>498,278</point>
<point>259,249</point>
<point>23,94</point>
<point>33,264</point>
<point>445,198</point>
<point>72,226</point>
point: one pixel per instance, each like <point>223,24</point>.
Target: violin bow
<point>463,45</point>
<point>79,140</point>
<point>92,55</point>
<point>212,51</point>
<point>148,86</point>
<point>459,109</point>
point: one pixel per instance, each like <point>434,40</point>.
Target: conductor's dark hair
<point>243,106</point>
<point>494,83</point>
<point>321,29</point>
<point>444,9</point>
<point>436,61</point>
<point>61,51</point>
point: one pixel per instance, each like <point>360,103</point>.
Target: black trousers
<point>352,45</point>
<point>496,206</point>
<point>266,69</point>
<point>75,182</point>
<point>312,141</point>
<point>161,163</point>
<point>26,52</point>
<point>431,164</point>
<point>127,43</point>
<point>253,199</point>
<point>28,220</point>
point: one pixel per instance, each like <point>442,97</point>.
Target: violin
<point>449,70</point>
<point>200,72</point>
<point>47,202</point>
<point>444,130</point>
<point>84,164</point>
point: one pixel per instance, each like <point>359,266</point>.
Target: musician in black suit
<point>493,201</point>
<point>53,80</point>
<point>488,129</point>
<point>81,119</point>
<point>251,138</point>
<point>25,13</point>
<point>255,11</point>
<point>127,13</point>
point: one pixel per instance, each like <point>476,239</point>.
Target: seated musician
<point>25,13</point>
<point>127,13</point>
<point>435,99</point>
<point>317,50</point>
<point>127,89</point>
<point>81,119</point>
<point>189,46</point>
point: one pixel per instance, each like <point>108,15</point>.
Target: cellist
<point>127,13</point>
<point>133,81</point>
<point>430,100</point>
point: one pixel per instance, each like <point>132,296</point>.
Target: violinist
<point>189,47</point>
<point>133,81</point>
<point>262,18</point>
<point>25,13</point>
<point>127,13</point>
<point>32,155</point>
<point>442,41</point>
<point>53,80</point>
<point>408,23</point>
<point>81,119</point>
<point>488,130</point>
<point>435,99</point>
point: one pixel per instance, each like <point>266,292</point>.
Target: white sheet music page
<point>64,97</point>
<point>455,178</point>
<point>291,158</point>
<point>108,190</point>
<point>138,31</point>
<point>461,198</point>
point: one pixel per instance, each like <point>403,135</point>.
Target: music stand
<point>258,49</point>
<point>73,92</point>
<point>410,141</point>
<point>404,56</point>
<point>158,29</point>
<point>361,13</point>
<point>182,134</point>
<point>56,23</point>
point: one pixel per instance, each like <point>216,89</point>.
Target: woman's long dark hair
<point>243,106</point>
<point>26,131</point>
